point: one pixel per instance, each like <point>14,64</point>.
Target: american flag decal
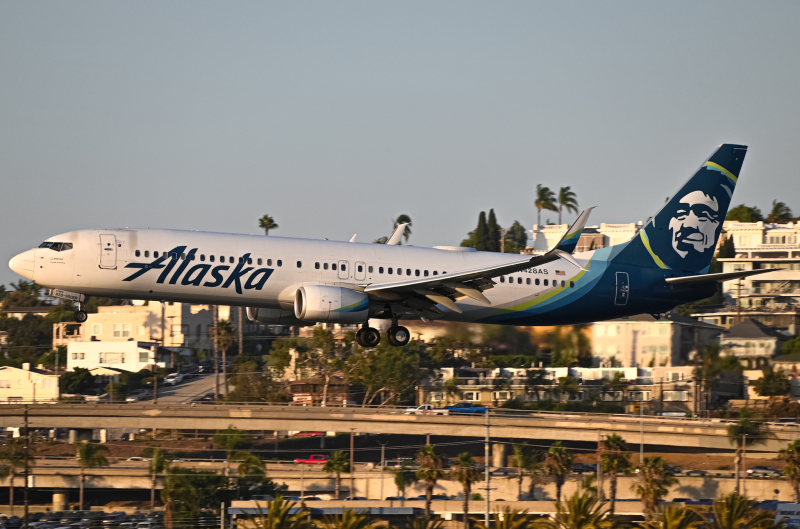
<point>560,273</point>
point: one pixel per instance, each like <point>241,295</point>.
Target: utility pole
<point>27,467</point>
<point>352,464</point>
<point>215,321</point>
<point>241,331</point>
<point>503,240</point>
<point>302,481</point>
<point>600,493</point>
<point>486,477</point>
<point>383,464</point>
<point>641,433</point>
<point>661,396</point>
<point>739,302</point>
<point>744,465</point>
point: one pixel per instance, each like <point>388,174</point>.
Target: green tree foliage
<point>516,238</point>
<point>76,381</point>
<point>187,492</point>
<point>545,199</point>
<point>89,455</point>
<point>742,213</point>
<point>481,233</point>
<point>653,482</point>
<point>27,337</point>
<point>429,471</point>
<point>568,387</point>
<point>392,372</point>
<point>791,471</point>
<point>231,440</point>
<point>403,476</point>
<point>457,337</point>
<point>570,346</point>
<point>615,459</point>
<point>422,523</point>
<point>492,233</point>
<point>727,250</point>
<point>12,462</point>
<point>349,519</point>
<point>337,464</point>
<point>557,464</point>
<point>527,462</point>
<point>25,294</point>
<point>675,517</point>
<point>791,347</point>
<point>93,302</point>
<point>507,518</point>
<point>465,472</point>
<point>506,339</point>
<point>579,511</point>
<point>733,511</point>
<point>772,383</point>
<point>225,334</point>
<point>780,212</point>
<point>567,199</point>
<point>748,430</point>
<point>48,360</point>
<point>403,219</point>
<point>252,384</point>
<point>159,465</point>
<point>267,223</point>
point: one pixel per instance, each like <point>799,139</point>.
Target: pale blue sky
<point>335,117</point>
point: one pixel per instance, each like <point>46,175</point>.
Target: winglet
<point>398,233</point>
<point>353,238</point>
<point>570,239</point>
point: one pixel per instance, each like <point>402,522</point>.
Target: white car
<point>426,409</point>
<point>173,379</point>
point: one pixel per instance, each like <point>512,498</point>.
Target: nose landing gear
<point>368,336</point>
<point>80,314</point>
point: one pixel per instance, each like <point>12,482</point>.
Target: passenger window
<point>408,271</point>
<point>519,280</point>
<point>425,273</point>
<point>155,254</point>
<point>324,266</point>
<point>380,269</point>
<point>280,263</point>
<point>183,256</point>
<point>230,259</point>
<point>241,260</point>
<point>502,279</point>
<point>333,266</point>
<point>389,270</point>
<point>360,268</point>
<point>572,284</point>
<point>211,258</point>
<point>299,264</point>
<point>511,280</point>
<point>435,273</point>
<point>527,280</point>
<point>138,253</point>
<point>536,281</point>
<point>269,262</point>
<point>369,269</point>
<point>146,253</point>
<point>545,282</point>
<point>202,257</point>
<point>344,267</point>
<point>416,273</point>
<point>563,283</point>
<point>316,266</point>
<point>249,260</point>
<point>259,261</point>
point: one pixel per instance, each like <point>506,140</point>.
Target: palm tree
<point>267,223</point>
<point>336,465</point>
<point>280,514</point>
<point>615,459</point>
<point>225,336</point>
<point>349,519</point>
<point>404,476</point>
<point>653,482</point>
<point>403,219</point>
<point>791,456</point>
<point>12,459</point>
<point>545,199</point>
<point>429,471</point>
<point>508,518</point>
<point>230,440</point>
<point>422,523</point>
<point>780,212</point>
<point>251,468</point>
<point>734,511</point>
<point>747,431</point>
<point>674,517</point>
<point>89,455</point>
<point>567,199</point>
<point>579,511</point>
<point>465,472</point>
<point>525,461</point>
<point>159,465</point>
<point>558,463</point>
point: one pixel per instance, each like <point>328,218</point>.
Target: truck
<point>315,459</point>
<point>466,408</point>
<point>426,409</point>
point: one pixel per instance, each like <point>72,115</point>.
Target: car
<point>206,366</point>
<point>395,498</point>
<point>426,409</point>
<point>467,408</point>
<point>208,398</point>
<point>138,394</point>
<point>763,471</point>
<point>137,458</point>
<point>315,459</point>
<point>173,379</point>
<point>356,498</point>
<point>580,468</point>
<point>434,497</point>
<point>190,370</point>
<point>309,434</point>
<point>696,473</point>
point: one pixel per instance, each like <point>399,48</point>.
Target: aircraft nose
<point>23,264</point>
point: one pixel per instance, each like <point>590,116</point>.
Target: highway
<point>655,431</point>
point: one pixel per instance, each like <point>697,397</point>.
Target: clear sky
<point>335,117</point>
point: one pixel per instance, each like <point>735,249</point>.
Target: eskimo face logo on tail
<point>195,275</point>
<point>694,226</point>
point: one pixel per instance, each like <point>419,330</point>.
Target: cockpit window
<point>57,246</point>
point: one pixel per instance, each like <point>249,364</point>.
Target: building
<point>312,392</point>
<point>753,343</point>
<point>21,312</point>
<point>27,385</point>
<point>644,341</point>
<point>130,356</point>
<point>545,238</point>
<point>185,325</point>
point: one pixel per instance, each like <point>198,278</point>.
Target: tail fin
<point>570,240</point>
<point>683,235</point>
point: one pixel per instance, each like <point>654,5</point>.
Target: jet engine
<point>272,316</point>
<point>330,304</point>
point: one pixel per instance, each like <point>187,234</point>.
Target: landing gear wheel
<point>368,337</point>
<point>398,336</point>
<point>81,316</point>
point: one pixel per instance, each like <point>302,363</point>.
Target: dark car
<point>206,366</point>
<point>696,473</point>
<point>580,468</point>
<point>762,471</point>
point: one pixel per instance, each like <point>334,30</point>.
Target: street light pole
<point>352,464</point>
<point>487,478</point>
<point>744,465</point>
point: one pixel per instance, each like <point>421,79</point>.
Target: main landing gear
<point>80,314</point>
<point>368,336</point>
<point>398,335</point>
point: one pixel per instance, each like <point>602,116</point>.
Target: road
<point>199,385</point>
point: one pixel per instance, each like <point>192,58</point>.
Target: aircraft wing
<point>712,278</point>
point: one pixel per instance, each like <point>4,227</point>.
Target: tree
<point>772,383</point>
<point>76,381</point>
<point>780,212</point>
<point>733,511</point>
<point>674,517</point>
<point>579,511</point>
<point>25,294</point>
<point>791,457</point>
<point>251,470</point>
<point>746,431</point>
<point>742,213</point>
<point>403,475</point>
<point>652,484</point>
<point>159,465</point>
<point>429,471</point>
<point>337,464</point>
<point>481,233</point>
<point>508,518</point>
<point>267,223</point>
<point>89,455</point>
<point>545,199</point>
<point>567,199</point>
<point>188,492</point>
<point>224,336</point>
<point>251,384</point>
<point>403,219</point>
<point>12,459</point>
<point>516,238</point>
<point>492,233</point>
<point>422,523</point>
<point>526,461</point>
<point>558,463</point>
<point>615,459</point>
<point>791,346</point>
<point>727,249</point>
<point>349,519</point>
<point>391,372</point>
<point>465,472</point>
<point>230,440</point>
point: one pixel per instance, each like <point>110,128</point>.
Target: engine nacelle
<point>272,316</point>
<point>330,304</point>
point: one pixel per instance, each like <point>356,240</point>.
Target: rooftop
<point>752,329</point>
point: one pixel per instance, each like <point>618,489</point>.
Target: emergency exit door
<point>108,251</point>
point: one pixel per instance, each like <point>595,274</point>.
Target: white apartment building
<point>130,356</point>
<point>27,385</point>
<point>546,237</point>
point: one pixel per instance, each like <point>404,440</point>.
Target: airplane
<point>295,282</point>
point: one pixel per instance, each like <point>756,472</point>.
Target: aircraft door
<point>623,289</point>
<point>344,272</point>
<point>361,271</point>
<point>108,251</point>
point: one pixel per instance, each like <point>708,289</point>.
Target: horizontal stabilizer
<point>711,278</point>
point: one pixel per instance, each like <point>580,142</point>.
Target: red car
<point>316,459</point>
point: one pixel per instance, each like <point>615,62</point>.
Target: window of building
<point>501,395</point>
<point>436,397</point>
<point>5,384</point>
<point>674,376</point>
<point>663,349</point>
<point>144,357</point>
<point>676,396</point>
<point>612,396</point>
<point>122,330</point>
<point>97,329</point>
<point>472,396</point>
<point>81,356</point>
<point>638,396</point>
